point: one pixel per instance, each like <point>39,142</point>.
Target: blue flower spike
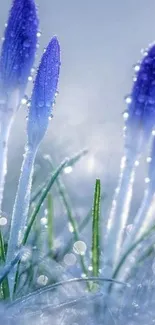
<point>42,100</point>
<point>19,46</point>
<point>16,60</point>
<point>140,115</point>
<point>44,93</point>
<point>139,121</point>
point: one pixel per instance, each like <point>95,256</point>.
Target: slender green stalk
<point>50,214</point>
<point>20,211</point>
<point>72,220</point>
<point>96,229</point>
<point>42,198</point>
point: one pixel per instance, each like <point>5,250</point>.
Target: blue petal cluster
<point>44,91</point>
<point>19,46</point>
<point>141,103</point>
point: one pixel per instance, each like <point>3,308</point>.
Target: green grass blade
<point>42,198</point>
<point>71,218</point>
<point>4,287</point>
<point>71,162</point>
<point>96,229</point>
<point>130,250</point>
<point>50,214</point>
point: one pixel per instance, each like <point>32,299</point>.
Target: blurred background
<point>100,42</point>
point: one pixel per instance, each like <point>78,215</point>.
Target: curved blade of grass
<point>72,219</point>
<point>4,286</point>
<point>81,227</point>
<point>66,282</point>
<point>37,208</point>
<point>96,229</point>
<point>43,197</point>
<point>129,251</point>
<point>50,214</point>
<point>72,161</point>
<point>7,268</point>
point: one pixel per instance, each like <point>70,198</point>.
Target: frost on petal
<point>19,46</point>
<point>141,108</point>
<point>44,92</point>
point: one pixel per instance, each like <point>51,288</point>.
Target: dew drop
<point>48,104</point>
<point>151,100</point>
<point>137,67</point>
<point>42,280</point>
<point>129,228</point>
<point>147,180</point>
<point>38,34</point>
<point>41,104</point>
<point>43,221</point>
<point>33,70</point>
<point>128,99</point>
<point>26,43</point>
<point>70,227</point>
<point>83,275</point>
<point>26,255</point>
<point>136,163</point>
<point>3,221</point>
<point>79,247</point>
<point>90,268</point>
<point>24,100</point>
<point>68,169</point>
<point>141,98</point>
<point>153,132</point>
<point>148,159</point>
<point>125,115</point>
<point>70,259</point>
<point>30,78</point>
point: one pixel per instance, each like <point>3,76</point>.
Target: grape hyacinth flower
<point>16,60</point>
<point>139,123</point>
<point>42,100</point>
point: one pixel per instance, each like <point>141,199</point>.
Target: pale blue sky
<point>100,41</point>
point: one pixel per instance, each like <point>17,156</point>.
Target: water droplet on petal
<point>30,78</point>
<point>38,34</point>
<point>128,99</point>
<point>137,67</point>
<point>148,159</point>
<point>26,43</point>
<point>24,100</point>
<point>147,180</point>
<point>151,100</point>
<point>41,104</point>
<point>136,163</point>
<point>125,115</point>
<point>141,98</point>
